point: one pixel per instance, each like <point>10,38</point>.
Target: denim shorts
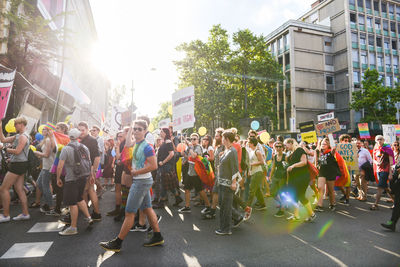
<point>139,195</point>
<point>383,179</point>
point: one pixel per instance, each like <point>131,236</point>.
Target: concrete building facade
<point>325,53</point>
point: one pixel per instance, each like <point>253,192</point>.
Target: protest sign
<point>183,108</point>
<point>327,127</point>
<point>397,127</point>
<point>309,137</point>
<point>164,123</point>
<point>326,116</point>
<point>389,133</point>
<point>307,126</point>
<point>126,118</point>
<point>349,153</point>
<point>363,130</point>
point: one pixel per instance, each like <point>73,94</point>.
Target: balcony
<point>354,45</point>
<point>369,11</point>
<point>364,66</point>
<point>394,52</point>
<point>352,7</point>
<point>360,9</point>
<point>388,69</point>
<point>386,33</point>
<point>396,71</point>
<point>398,18</point>
<point>393,34</point>
<point>387,51</point>
<point>287,67</point>
<point>376,13</point>
<point>370,29</point>
<point>356,64</point>
<point>353,26</point>
<point>371,48</point>
<point>363,47</point>
<point>384,15</point>
<point>380,69</point>
<point>372,66</point>
<point>377,31</point>
<point>391,16</point>
<point>379,49</point>
<point>362,28</point>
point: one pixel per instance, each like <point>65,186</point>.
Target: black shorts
<point>191,182</point>
<point>73,191</point>
<point>18,168</point>
<point>118,174</point>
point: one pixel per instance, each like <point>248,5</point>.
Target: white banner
<point>389,133</point>
<point>326,116</point>
<point>183,108</point>
<point>164,123</point>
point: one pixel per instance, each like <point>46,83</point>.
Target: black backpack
<point>82,163</point>
<point>243,162</point>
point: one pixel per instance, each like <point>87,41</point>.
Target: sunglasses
<point>139,129</point>
<point>193,139</point>
<point>395,145</point>
<point>278,146</point>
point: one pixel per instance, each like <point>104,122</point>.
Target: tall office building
<point>325,53</point>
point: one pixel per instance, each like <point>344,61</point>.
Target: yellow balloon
<point>264,137</point>
<point>151,127</point>
<point>12,122</point>
<point>10,128</point>
<point>40,129</point>
<point>170,109</point>
<point>101,133</point>
<point>202,131</point>
<point>32,148</point>
<point>67,118</point>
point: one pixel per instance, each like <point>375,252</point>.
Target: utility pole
<point>245,95</point>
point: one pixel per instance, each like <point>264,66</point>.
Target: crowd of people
<point>146,171</point>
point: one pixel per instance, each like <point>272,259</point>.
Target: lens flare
<point>325,228</point>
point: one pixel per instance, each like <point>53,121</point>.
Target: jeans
<point>43,183</point>
<point>225,196</point>
<point>255,188</point>
<point>246,188</point>
<point>139,195</point>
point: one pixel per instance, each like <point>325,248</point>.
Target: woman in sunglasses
<point>278,174</point>
<point>396,151</point>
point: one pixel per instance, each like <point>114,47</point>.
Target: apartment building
<point>324,55</point>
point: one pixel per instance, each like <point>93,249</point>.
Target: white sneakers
<point>22,217</point>
<point>4,218</point>
<point>69,231</point>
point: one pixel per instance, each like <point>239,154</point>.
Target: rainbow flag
<point>397,127</point>
<point>364,131</point>
<point>61,139</point>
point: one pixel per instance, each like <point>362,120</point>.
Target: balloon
<point>255,125</point>
<point>181,147</point>
<point>32,148</point>
<point>10,128</point>
<point>40,129</point>
<point>38,137</point>
<point>67,118</point>
<point>151,127</point>
<point>170,109</point>
<point>101,133</point>
<point>202,131</point>
<point>264,137</point>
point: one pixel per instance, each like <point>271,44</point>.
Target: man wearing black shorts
<point>74,186</point>
<point>192,180</point>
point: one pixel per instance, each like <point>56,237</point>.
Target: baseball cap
<point>74,133</point>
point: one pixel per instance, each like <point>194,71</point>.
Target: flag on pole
<point>6,83</point>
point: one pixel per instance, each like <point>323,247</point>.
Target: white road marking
<point>342,213</point>
<point>240,264</point>
<point>388,251</point>
<point>27,250</point>
<point>362,209</point>
<point>195,228</point>
<point>369,230</point>
<point>339,262</point>
<point>181,216</point>
<point>379,205</point>
<point>191,261</point>
<point>168,211</point>
<point>45,227</point>
<point>103,257</point>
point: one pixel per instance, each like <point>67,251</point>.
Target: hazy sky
<point>137,39</point>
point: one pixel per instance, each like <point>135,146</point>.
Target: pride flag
<point>397,127</point>
<point>364,131</point>
<point>61,139</point>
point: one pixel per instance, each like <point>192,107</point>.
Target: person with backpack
<point>44,179</point>
<point>17,168</point>
<point>76,159</point>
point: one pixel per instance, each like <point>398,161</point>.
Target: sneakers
<point>210,215</point>
<point>138,228</point>
<point>113,212</point>
<point>69,231</point>
<point>319,209</point>
<point>34,205</point>
<point>261,207</point>
<point>293,218</point>
<point>111,245</point>
<point>112,189</point>
<point>178,200</point>
<point>220,232</point>
<point>53,212</point>
<point>205,210</point>
<point>345,202</point>
<point>236,223</point>
<point>185,210</point>
<point>389,225</point>
<point>44,208</point>
<point>156,240</point>
<point>332,207</point>
<point>343,198</point>
<point>22,217</point>
<point>311,218</point>
<point>247,213</point>
<point>279,214</point>
<point>96,216</point>
<point>4,218</point>
<point>65,220</point>
<point>89,221</point>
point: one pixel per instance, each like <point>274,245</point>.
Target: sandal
<point>34,205</point>
<point>374,207</point>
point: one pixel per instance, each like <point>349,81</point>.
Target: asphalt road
<point>351,236</point>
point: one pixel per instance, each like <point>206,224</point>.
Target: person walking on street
<point>144,161</point>
<point>364,165</point>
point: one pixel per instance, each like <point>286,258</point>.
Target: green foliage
<point>162,113</point>
<point>222,70</point>
<point>31,40</point>
<point>377,100</point>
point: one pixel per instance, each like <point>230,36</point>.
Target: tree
<point>31,39</point>
<point>162,113</point>
<point>227,75</point>
<point>377,100</point>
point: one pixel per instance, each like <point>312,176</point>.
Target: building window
<point>398,10</point>
<point>361,20</point>
<point>395,62</point>
<point>354,37</point>
<point>371,40</point>
<point>355,55</point>
<point>356,77</point>
<point>328,60</point>
<point>391,9</point>
<point>386,44</point>
<point>378,41</point>
<point>368,4</point>
<point>393,27</point>
<point>380,60</point>
<point>314,17</point>
<point>352,2</point>
<point>385,25</point>
<point>360,3</point>
<point>394,44</point>
<point>383,7</point>
<point>329,80</point>
<point>395,80</point>
<point>388,61</point>
<point>353,18</point>
<point>377,24</point>
<point>372,58</point>
<point>363,40</point>
<point>364,59</point>
<point>330,98</point>
<point>389,81</point>
<point>376,6</point>
<point>369,22</point>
